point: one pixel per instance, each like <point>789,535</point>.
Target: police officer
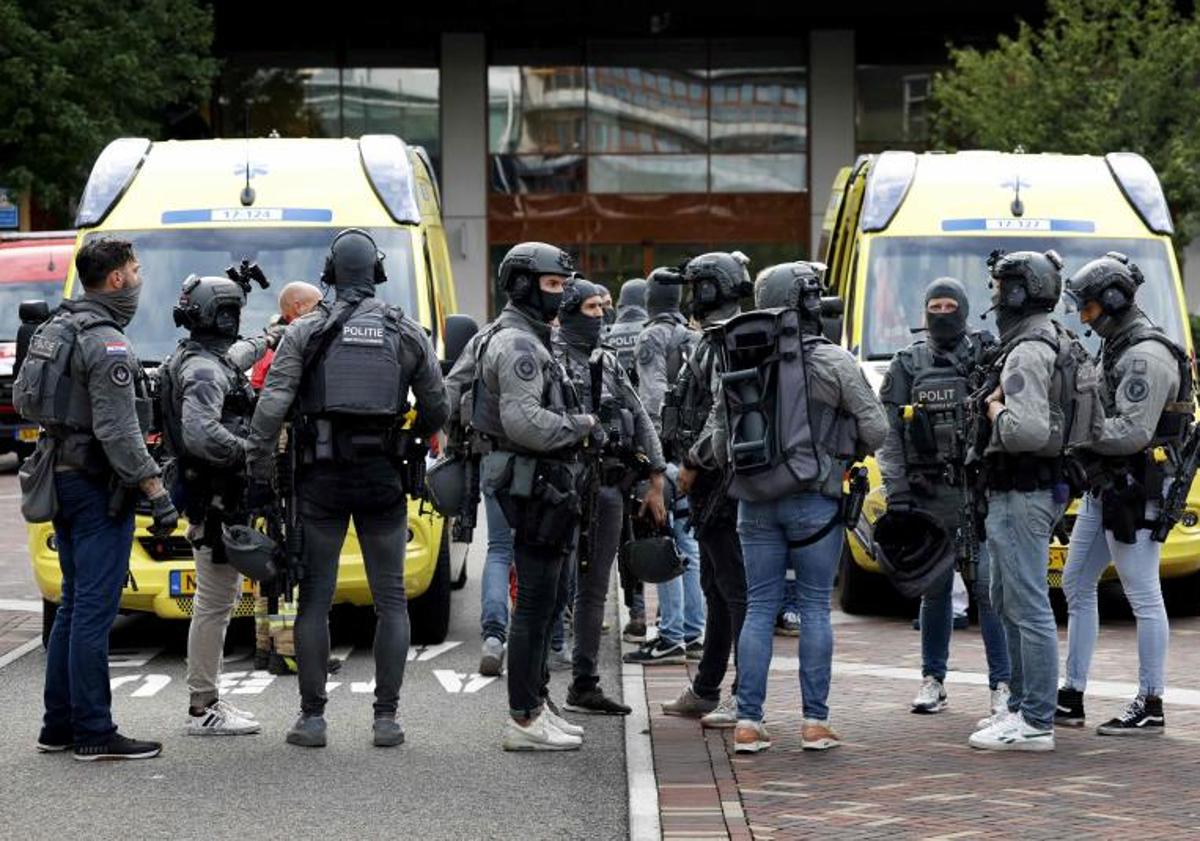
<point>528,413</point>
<point>349,366</point>
<point>577,347</point>
<point>206,403</point>
<point>82,382</point>
<point>1147,393</point>
<point>931,376</point>
<point>718,281</point>
<point>663,348</point>
<point>796,524</point>
<point>1026,490</point>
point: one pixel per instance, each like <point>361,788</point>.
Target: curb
<point>644,823</point>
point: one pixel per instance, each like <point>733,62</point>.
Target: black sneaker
<point>658,652</point>
<point>694,649</point>
<point>594,702</point>
<point>1069,711</point>
<point>51,742</point>
<point>1144,717</point>
<point>635,630</point>
<point>118,747</point>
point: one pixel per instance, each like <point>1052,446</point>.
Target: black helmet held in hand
<point>250,552</point>
<point>913,549</point>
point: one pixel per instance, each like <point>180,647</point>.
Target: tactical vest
<point>235,412</point>
<point>357,369</point>
<point>938,394</point>
<point>46,390</point>
<point>689,401</point>
<point>777,432</point>
<point>616,417</point>
<point>622,338</point>
<point>680,343</point>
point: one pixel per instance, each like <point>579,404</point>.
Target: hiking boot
<point>689,705</point>
<point>1143,717</point>
<point>657,652</point>
<point>307,732</point>
<point>537,735</point>
<point>118,747</point>
<point>931,698</point>
<point>635,630</point>
<point>594,702</point>
<point>1068,710</point>
<point>787,624</point>
<point>723,717</point>
<point>387,732</point>
<point>818,735</point>
<point>491,658</point>
<point>750,737</point>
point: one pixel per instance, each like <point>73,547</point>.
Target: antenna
<point>1017,207</point>
<point>247,196</point>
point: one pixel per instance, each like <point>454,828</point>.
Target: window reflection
<point>389,100</point>
<point>647,173</point>
<point>759,173</point>
<point>759,110</point>
<point>893,107</point>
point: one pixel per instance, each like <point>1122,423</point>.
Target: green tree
<point>1097,76</point>
<point>78,73</point>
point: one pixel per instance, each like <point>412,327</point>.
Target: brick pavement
<point>900,775</point>
<point>18,628</point>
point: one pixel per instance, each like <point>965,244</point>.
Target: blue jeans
<point>681,600</point>
<point>765,529</point>
<point>937,624</point>
<point>93,553</point>
<point>496,564</point>
<point>1018,538</point>
<point>1088,556</point>
<point>791,597</point>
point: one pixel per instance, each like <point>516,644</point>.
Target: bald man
<point>297,299</point>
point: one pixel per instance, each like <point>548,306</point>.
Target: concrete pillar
<point>1190,266</point>
<point>463,95</point>
<point>831,110</point>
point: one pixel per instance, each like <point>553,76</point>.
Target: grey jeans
<point>217,589</point>
<point>591,591</point>
<point>1018,539</point>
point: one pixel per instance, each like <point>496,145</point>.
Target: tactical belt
<point>1023,472</point>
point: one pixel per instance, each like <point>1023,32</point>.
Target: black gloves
<point>163,512</point>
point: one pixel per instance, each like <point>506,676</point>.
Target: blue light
<point>385,158</point>
<point>1141,187</point>
<point>888,180</point>
<point>110,178</point>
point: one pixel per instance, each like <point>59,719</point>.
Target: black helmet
<point>1027,281</point>
<point>654,560</point>
<point>633,294</point>
<point>525,263</point>
<point>209,305</point>
<point>718,279</point>
<point>446,485</point>
<point>913,549</point>
<point>250,552</point>
<point>797,285</point>
<point>353,259</point>
<point>1112,281</point>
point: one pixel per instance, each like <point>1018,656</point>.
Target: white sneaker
<point>1013,734</point>
<point>994,719</point>
<point>539,735</point>
<point>931,698</point>
<point>230,709</point>
<point>1000,697</point>
<point>723,717</point>
<point>561,723</point>
<point>218,721</point>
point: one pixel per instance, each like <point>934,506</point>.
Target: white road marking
<point>20,651</point>
<point>463,683</point>
<point>363,687</point>
<point>153,685</point>
<point>21,605</point>
<point>331,685</point>
<point>131,658</point>
<point>425,653</point>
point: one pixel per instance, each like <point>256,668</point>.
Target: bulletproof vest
<point>1177,414</point>
<point>777,431</point>
<point>357,369</point>
<point>689,402</point>
<point>680,343</point>
<point>235,412</point>
<point>46,389</point>
<point>622,338</point>
<point>1076,404</point>
<point>616,417</point>
<point>939,390</point>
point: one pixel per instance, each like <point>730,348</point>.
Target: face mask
<point>945,328</point>
<point>227,323</point>
<point>580,330</point>
<point>550,302</point>
<point>123,302</point>
<point>610,315</point>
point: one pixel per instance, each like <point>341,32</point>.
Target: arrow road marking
<point>424,653</point>
<point>464,683</point>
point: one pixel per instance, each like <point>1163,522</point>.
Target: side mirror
<point>460,329</point>
<point>832,310</point>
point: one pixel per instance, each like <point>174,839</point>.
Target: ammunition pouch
<point>540,501</point>
<point>1123,509</point>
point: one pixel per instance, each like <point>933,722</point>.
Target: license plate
<point>183,583</point>
<point>1058,557</point>
<point>28,434</point>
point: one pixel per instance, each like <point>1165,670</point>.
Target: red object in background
<point>258,374</point>
<point>32,260</point>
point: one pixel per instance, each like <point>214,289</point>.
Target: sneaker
<point>552,716</point>
<point>230,709</point>
<point>723,717</point>
<point>750,737</point>
<point>694,650</point>
<point>1014,733</point>
<point>787,624</point>
<point>50,742</point>
<point>118,747</point>
<point>931,698</point>
<point>689,705</point>
<point>999,698</point>
<point>539,734</point>
<point>657,652</point>
<point>994,719</point>
<point>594,702</point>
<point>215,720</point>
<point>491,658</point>
<point>387,732</point>
<point>307,732</point>
<point>559,660</point>
<point>635,630</point>
<point>818,735</point>
<point>1143,717</point>
<point>1068,711</point>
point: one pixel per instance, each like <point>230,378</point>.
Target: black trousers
<point>541,586</point>
<point>723,580</point>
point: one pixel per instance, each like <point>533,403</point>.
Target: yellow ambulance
<point>200,206</point>
<point>897,220</point>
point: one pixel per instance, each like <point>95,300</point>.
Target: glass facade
<point>892,107</point>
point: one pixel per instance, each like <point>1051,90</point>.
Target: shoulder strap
<point>316,349</point>
<point>1153,334</point>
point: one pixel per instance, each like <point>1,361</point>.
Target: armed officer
<point>82,383</point>
<point>1147,393</point>
<point>206,403</point>
<point>632,447</point>
<point>918,462</point>
<point>346,370</point>
<point>528,413</point>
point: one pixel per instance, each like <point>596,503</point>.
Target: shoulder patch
<point>885,387</point>
<point>523,344</point>
<point>120,375</point>
<point>1136,389</point>
<point>116,348</point>
<point>645,354</point>
<point>1139,366</point>
<point>525,367</point>
<point>202,374</point>
<point>1014,384</point>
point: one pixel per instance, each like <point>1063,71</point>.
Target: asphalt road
<point>450,780</point>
